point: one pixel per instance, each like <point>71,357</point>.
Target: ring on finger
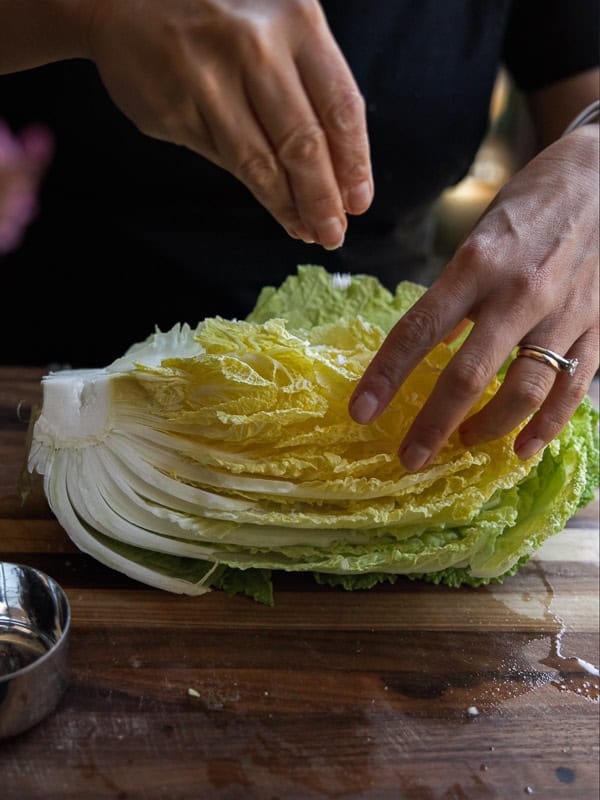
<point>549,357</point>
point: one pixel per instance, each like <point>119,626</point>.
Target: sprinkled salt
<point>341,280</point>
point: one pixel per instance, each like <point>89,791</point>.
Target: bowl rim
<point>51,651</point>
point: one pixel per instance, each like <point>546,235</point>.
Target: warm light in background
<point>460,206</point>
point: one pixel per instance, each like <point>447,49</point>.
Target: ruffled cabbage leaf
<point>210,457</point>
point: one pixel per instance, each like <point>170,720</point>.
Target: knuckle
<point>474,253</point>
<point>323,206</point>
<point>257,43</point>
<point>358,172</point>
<point>303,145</point>
<point>477,259</point>
<point>258,171</point>
<point>530,392</point>
<point>550,422</point>
<point>469,376</point>
<point>347,114</point>
<point>420,326</point>
<point>429,434</point>
<point>384,376</point>
<point>524,285</point>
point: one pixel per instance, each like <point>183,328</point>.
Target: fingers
<point>430,320</point>
<point>529,384</point>
<point>301,148</point>
<point>457,390</point>
<point>261,89</point>
<point>340,109</point>
<point>566,394</point>
<point>283,156</point>
<point>527,272</point>
<point>293,125</point>
<point>250,157</point>
<point>313,116</point>
<point>524,389</point>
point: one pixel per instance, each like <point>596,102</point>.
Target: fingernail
<point>359,198</point>
<point>529,448</point>
<point>364,407</point>
<point>415,456</point>
<point>330,233</point>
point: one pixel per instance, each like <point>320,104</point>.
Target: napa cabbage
<point>209,457</point>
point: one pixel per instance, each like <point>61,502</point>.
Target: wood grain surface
<point>409,691</point>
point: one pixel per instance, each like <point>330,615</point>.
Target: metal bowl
<point>34,627</point>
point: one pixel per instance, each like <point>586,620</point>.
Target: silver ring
<point>549,357</point>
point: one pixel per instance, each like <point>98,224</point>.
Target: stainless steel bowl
<point>34,627</point>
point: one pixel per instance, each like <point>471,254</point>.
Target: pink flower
<point>24,159</point>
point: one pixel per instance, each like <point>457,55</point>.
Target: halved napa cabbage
<point>209,457</point>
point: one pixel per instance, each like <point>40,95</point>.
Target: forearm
<point>36,32</point>
<point>553,107</point>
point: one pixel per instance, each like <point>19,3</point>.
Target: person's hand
<point>527,273</point>
<point>23,161</point>
<point>259,87</point>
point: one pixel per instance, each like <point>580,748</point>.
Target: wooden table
<point>407,691</point>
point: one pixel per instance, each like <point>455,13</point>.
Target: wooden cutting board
<point>406,691</point>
